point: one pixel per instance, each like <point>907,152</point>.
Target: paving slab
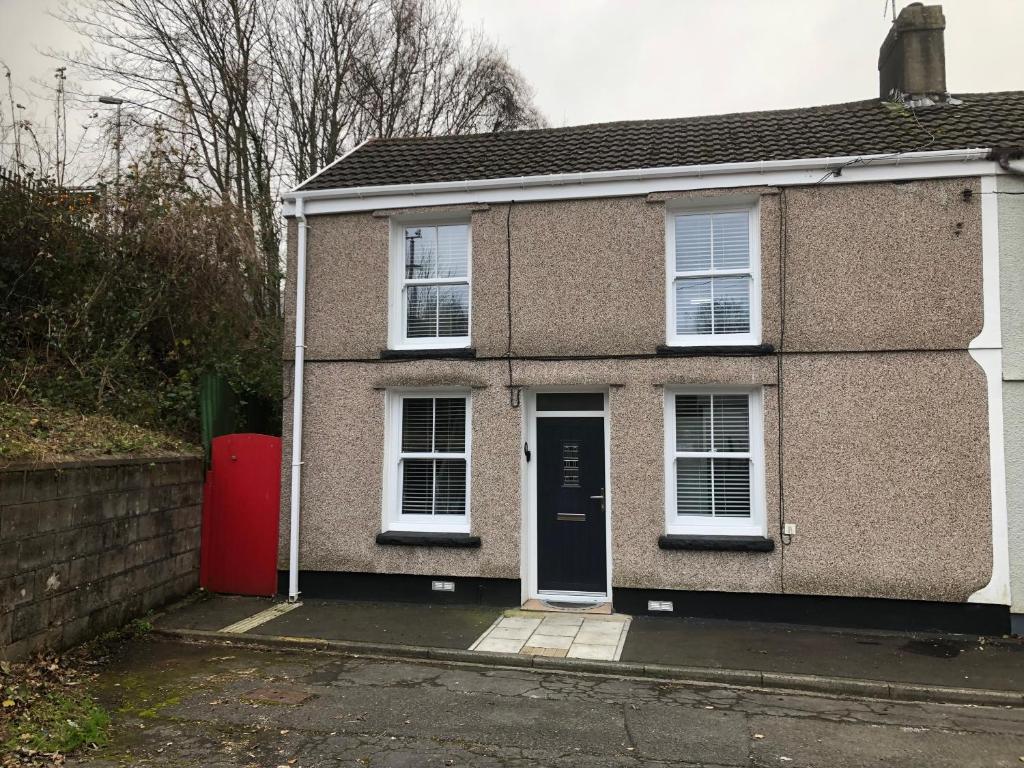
<point>500,645</point>
<point>962,661</point>
<point>556,636</point>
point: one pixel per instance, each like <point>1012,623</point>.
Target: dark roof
<point>982,120</point>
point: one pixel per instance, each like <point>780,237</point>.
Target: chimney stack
<point>912,59</point>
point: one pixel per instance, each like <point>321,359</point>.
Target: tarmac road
<point>216,706</point>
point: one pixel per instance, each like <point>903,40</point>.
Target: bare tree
<point>267,92</point>
<point>420,76</point>
<point>354,69</point>
<point>29,146</point>
<point>315,52</point>
<point>205,66</point>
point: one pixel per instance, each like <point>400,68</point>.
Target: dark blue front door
<point>571,554</point>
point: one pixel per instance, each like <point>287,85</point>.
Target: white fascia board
<point>851,169</point>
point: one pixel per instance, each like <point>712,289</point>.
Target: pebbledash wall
<point>885,445</point>
<point>87,545</point>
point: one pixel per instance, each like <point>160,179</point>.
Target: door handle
<point>601,497</point>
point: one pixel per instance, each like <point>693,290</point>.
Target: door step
<point>559,606</point>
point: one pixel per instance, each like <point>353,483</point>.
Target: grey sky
<point>597,60</point>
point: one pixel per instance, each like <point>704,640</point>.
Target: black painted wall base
<point>403,588</point>
<point>825,611</point>
<point>815,610</point>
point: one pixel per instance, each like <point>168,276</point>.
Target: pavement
<point>885,665</point>
<point>186,705</point>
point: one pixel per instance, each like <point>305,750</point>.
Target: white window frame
<point>756,524</point>
<point>752,206</point>
<point>397,282</point>
<point>393,519</point>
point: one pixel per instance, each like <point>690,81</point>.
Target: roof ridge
<point>616,123</point>
<point>844,106</point>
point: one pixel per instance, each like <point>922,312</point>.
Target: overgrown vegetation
<point>46,712</point>
<point>48,434</point>
<point>116,301</point>
<point>56,724</point>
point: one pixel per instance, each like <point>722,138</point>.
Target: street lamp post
<point>117,136</point>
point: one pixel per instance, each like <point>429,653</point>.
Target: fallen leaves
<point>43,711</point>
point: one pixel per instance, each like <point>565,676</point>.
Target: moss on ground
<point>46,709</point>
<point>58,723</point>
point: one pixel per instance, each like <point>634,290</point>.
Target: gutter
<point>641,174</point>
<point>1004,159</point>
<point>300,359</point>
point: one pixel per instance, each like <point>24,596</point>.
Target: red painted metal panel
<point>240,515</point>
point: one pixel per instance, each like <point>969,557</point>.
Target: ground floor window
<point>714,467</point>
<point>427,475</point>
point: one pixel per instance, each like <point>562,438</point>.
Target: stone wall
<point>87,545</point>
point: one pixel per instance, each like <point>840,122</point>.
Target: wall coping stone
<point>97,461</point>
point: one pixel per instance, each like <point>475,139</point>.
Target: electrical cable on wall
<point>513,391</point>
<point>901,101</point>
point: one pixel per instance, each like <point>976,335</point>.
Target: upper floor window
<point>713,277</point>
<point>430,286</point>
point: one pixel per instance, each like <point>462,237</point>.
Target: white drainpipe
<point>300,359</point>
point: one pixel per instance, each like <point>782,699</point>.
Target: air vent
<point>442,586</point>
<point>659,605</point>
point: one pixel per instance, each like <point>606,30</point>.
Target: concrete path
<point>432,626</point>
<point>934,667</point>
<point>963,661</point>
<point>211,706</point>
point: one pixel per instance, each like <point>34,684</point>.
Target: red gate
<point>241,503</point>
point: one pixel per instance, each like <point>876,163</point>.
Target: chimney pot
<point>912,59</point>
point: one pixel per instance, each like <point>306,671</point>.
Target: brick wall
<point>86,546</point>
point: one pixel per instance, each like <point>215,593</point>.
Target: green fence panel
<point>218,409</point>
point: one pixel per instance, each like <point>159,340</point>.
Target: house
<point>742,365</point>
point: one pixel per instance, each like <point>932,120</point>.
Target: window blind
<point>713,458</point>
<point>433,456</point>
<point>713,279</point>
<point>436,281</point>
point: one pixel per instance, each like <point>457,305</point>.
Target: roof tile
<point>855,128</point>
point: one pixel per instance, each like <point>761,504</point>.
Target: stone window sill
<point>718,543</point>
<point>428,539</point>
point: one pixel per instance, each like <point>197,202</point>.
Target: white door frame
<point>528,494</point>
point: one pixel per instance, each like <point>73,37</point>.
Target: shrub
<point>117,300</point>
